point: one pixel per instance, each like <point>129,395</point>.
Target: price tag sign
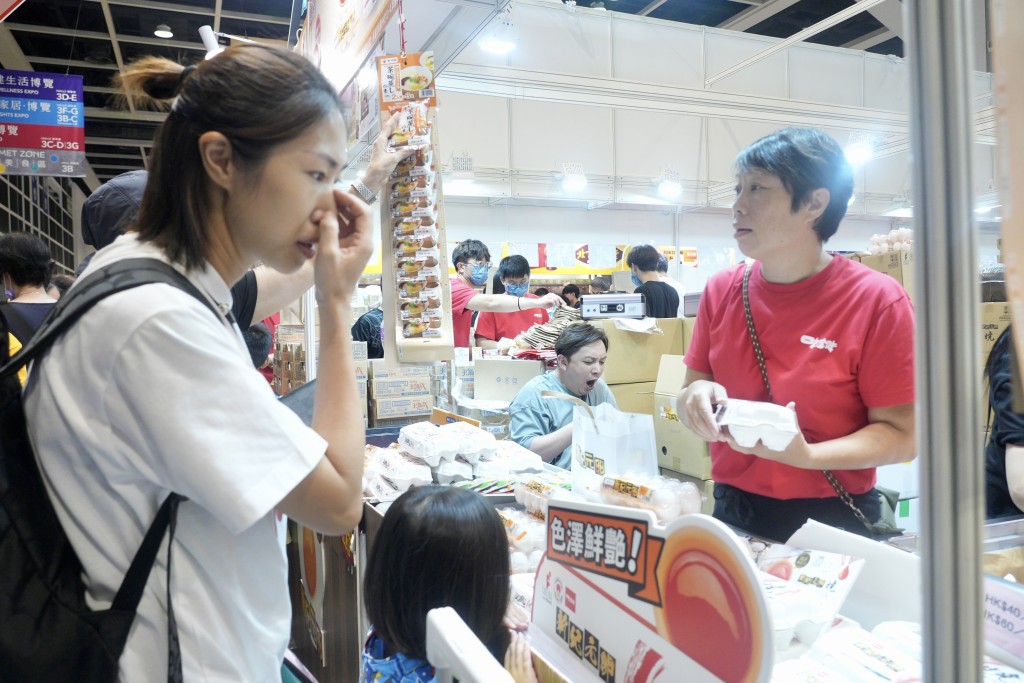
<point>1004,615</point>
<point>42,124</point>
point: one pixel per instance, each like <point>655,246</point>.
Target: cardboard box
<point>897,264</point>
<point>688,324</point>
<point>634,398</point>
<point>705,486</point>
<point>500,379</point>
<point>995,317</point>
<point>402,406</point>
<point>380,370</point>
<point>679,449</point>
<point>362,370</point>
<point>634,357</point>
<point>359,351</point>
<point>400,386</point>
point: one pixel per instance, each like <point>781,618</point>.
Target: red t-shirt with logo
<point>462,317</point>
<point>495,326</point>
<point>836,343</point>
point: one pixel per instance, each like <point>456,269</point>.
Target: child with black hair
<point>438,547</point>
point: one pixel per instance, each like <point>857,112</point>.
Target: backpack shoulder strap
<point>111,279</point>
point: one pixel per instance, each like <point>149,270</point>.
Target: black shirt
<point>662,300</point>
<point>1007,428</point>
<point>243,299</point>
<point>24,319</point>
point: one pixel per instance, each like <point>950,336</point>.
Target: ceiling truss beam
<point>836,18</point>
<point>753,16</point>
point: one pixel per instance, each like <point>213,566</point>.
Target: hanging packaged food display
<point>411,216</point>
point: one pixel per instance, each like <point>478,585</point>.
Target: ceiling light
<point>986,209</point>
<point>209,38</point>
<point>851,200</point>
<point>859,152</point>
<point>573,177</point>
<point>598,5</point>
<point>668,184</point>
<point>163,31</point>
<point>500,38</point>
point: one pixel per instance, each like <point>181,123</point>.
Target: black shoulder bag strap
<point>840,490</point>
<point>111,279</point>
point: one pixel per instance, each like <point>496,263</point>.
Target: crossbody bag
<point>884,526</point>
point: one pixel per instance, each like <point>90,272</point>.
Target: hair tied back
<point>185,73</point>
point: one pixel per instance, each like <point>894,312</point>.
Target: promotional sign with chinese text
<point>639,603</point>
<point>42,124</point>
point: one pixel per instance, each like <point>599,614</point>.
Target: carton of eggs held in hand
<point>752,421</point>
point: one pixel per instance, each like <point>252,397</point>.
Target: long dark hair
<point>438,547</point>
<point>258,97</point>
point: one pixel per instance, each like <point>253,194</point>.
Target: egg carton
<point>752,421</point>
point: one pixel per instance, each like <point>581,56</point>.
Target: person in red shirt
<point>513,278</point>
<point>472,261</point>
<point>837,341</point>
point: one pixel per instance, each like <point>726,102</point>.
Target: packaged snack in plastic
<point>525,532</point>
<point>860,656</point>
<point>424,441</point>
<point>474,443</point>
<point>451,471</point>
<point>667,498</point>
<point>535,491</point>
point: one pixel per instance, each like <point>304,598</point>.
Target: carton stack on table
<point>405,394</point>
<point>359,354</point>
<point>681,454</point>
<point>633,358</point>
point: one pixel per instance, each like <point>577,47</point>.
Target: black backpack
<point>47,632</point>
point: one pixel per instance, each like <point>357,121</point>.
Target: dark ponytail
<point>257,96</point>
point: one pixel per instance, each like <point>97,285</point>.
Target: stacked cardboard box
<point>405,394</point>
<point>359,355</point>
<point>897,264</point>
<point>679,449</point>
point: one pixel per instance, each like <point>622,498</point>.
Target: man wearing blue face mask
<point>472,262</point>
<point>514,277</point>
<point>662,301</point>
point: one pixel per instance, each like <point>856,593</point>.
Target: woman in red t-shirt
<point>837,341</point>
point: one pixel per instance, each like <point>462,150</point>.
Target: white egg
<point>690,498</point>
<point>518,562</point>
<point>875,249</point>
<point>883,248</point>
<point>534,559</point>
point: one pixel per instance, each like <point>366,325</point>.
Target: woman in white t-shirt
<point>149,393</point>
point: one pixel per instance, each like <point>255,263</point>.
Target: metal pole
<point>948,383</point>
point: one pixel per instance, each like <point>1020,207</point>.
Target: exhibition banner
<point>42,124</point>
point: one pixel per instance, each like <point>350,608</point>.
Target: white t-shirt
<point>150,393</point>
<point>680,290</point>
